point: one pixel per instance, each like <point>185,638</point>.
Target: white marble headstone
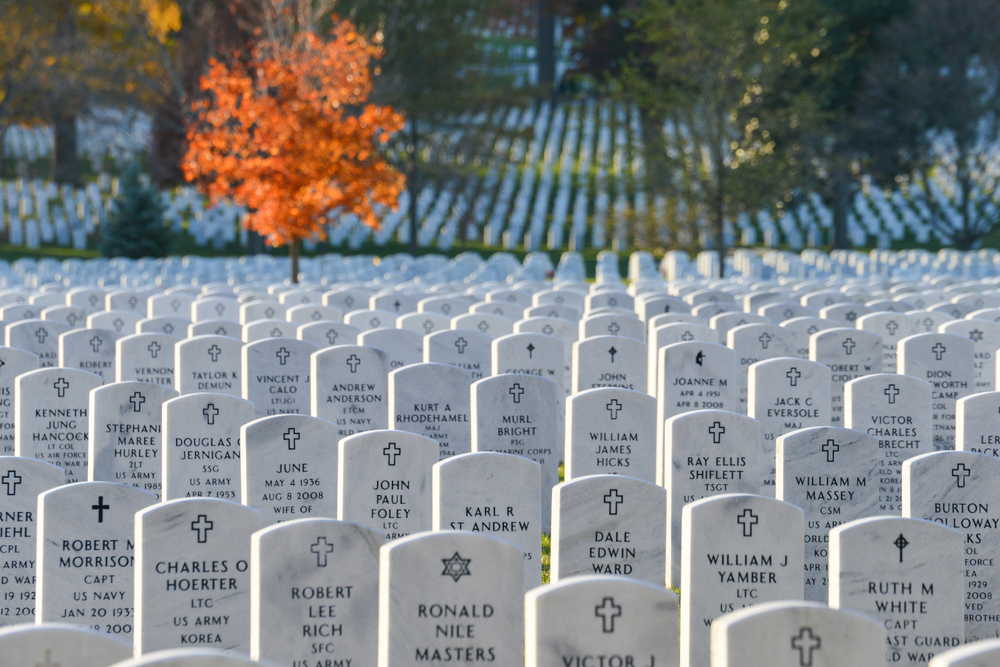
<point>850,354</point>
<point>706,453</point>
<point>695,376</point>
<point>433,400</point>
<point>530,354</point>
<point>201,436</point>
<point>91,350</point>
<point>288,467</point>
<point>786,394</point>
<point>192,573</point>
<point>609,361</point>
<point>57,644</point>
<point>86,555</point>
<point>276,376</point>
<point>668,334</point>
<point>40,337</point>
<point>488,324</point>
<point>907,573</point>
<point>958,490</point>
<point>793,634</point>
<point>494,494</point>
<point>736,551</point>
<point>14,363</point>
<point>832,474</point>
<point>385,481</point>
<point>448,596</point>
<point>610,431</point>
<point>757,342</point>
<point>521,415</point>
<point>351,388</point>
<point>126,434</point>
<point>404,347</point>
<point>609,524</point>
<point>146,357</point>
<point>208,363</point>
<point>324,334</point>
<point>469,350</point>
<point>896,411</point>
<point>172,326</point>
<point>976,423</point>
<point>980,654</point>
<point>597,619</point>
<point>22,480</point>
<point>52,423</point>
<point>947,362</point>
<point>314,593</point>
<point>985,337</point>
<point>892,327</point>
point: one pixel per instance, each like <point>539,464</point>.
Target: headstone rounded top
<point>200,396</point>
<point>449,536</point>
<point>785,606</point>
<point>980,654</point>
<point>797,633</point>
<point>55,372</point>
<point>430,366</point>
<point>877,523</point>
<point>55,643</point>
<point>619,581</point>
<point>189,657</point>
<point>305,525</point>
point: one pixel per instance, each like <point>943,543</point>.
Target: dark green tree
<point>439,70</point>
<point>718,70</point>
<point>135,226</point>
<point>930,112</point>
<point>838,145</point>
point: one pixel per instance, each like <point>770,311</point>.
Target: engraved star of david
<point>456,566</point>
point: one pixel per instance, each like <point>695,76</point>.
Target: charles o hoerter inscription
<point>192,573</point>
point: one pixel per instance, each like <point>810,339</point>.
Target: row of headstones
<point>66,417</point>
<point>206,575</point>
<point>790,379</point>
<point>815,296</point>
<point>127,310</point>
<point>763,339</point>
<point>608,313</point>
<point>319,325</point>
<point>751,344</point>
<point>775,634</point>
<point>815,415</point>
<point>513,414</point>
<point>846,350</point>
<point>707,306</point>
<point>601,361</point>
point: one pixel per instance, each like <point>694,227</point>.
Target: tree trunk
<point>412,185</point>
<point>168,144</point>
<point>720,227</point>
<point>255,243</point>
<point>969,233</point>
<point>65,166</point>
<point>720,214</point>
<point>842,189</point>
<point>463,224</point>
<point>654,151</point>
<point>293,254</point>
<point>546,56</point>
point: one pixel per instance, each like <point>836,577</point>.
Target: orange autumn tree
<point>289,136</point>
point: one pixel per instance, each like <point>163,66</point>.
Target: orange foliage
<point>290,137</point>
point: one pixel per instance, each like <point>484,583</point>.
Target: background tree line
<point>782,97</point>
